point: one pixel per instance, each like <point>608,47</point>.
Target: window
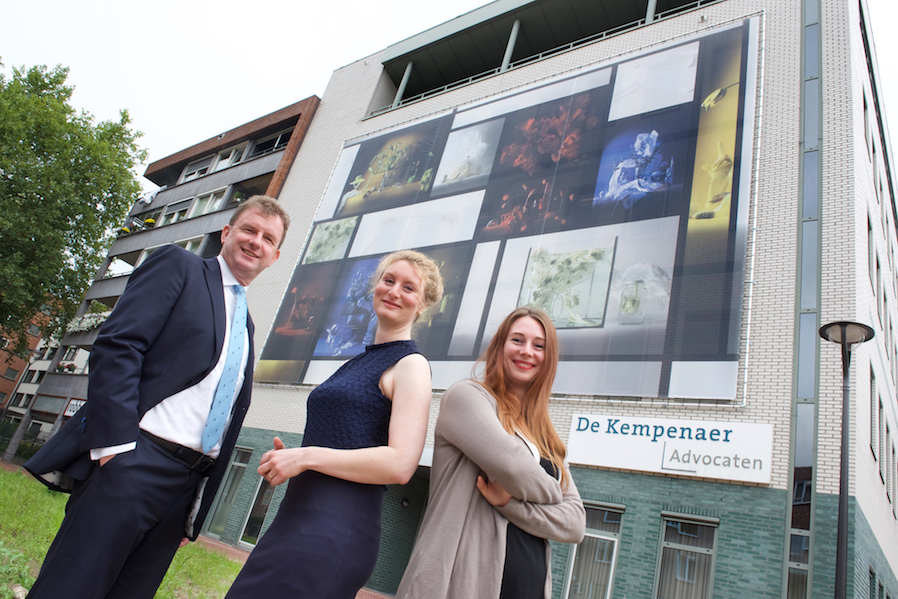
<point>873,413</point>
<point>70,353</point>
<point>191,245</point>
<point>118,268</point>
<point>228,157</point>
<point>222,509</point>
<point>798,584</point>
<point>592,561</point>
<point>799,549</point>
<point>37,375</point>
<point>197,168</point>
<point>11,374</point>
<point>871,253</point>
<point>894,479</point>
<point>882,437</point>
<point>687,559</point>
<point>272,144</point>
<point>24,398</point>
<point>867,125</point>
<point>253,527</point>
<point>801,492</point>
<point>888,463</point>
<point>206,203</point>
<point>176,212</point>
<point>875,174</point>
<point>34,330</point>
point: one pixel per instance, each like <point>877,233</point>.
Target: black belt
<point>198,461</point>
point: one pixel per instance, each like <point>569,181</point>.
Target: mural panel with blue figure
<point>351,323</point>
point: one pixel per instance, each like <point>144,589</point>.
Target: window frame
<point>262,486</point>
<point>234,156</point>
<point>605,535</point>
<point>276,147</point>
<point>232,479</point>
<point>874,423</point>
<point>176,212</point>
<point>689,519</point>
<point>197,168</point>
<point>183,243</point>
<point>211,205</point>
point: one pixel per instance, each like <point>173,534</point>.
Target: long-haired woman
<point>499,486</point>
<point>365,428</point>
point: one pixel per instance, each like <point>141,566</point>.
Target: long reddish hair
<point>529,415</point>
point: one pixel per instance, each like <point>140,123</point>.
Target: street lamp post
<point>847,334</point>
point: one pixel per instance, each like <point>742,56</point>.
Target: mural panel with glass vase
<point>570,284</point>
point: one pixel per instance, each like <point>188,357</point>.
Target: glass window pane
<point>811,198</point>
<point>598,519</point>
<point>684,574</point>
<point>811,51</point>
<point>591,574</point>
<point>687,533</point>
<point>807,356</point>
<point>810,11</point>
<point>226,501</point>
<point>809,265</point>
<point>802,477</point>
<point>812,113</point>
<point>799,548</point>
<point>798,584</point>
<point>257,514</point>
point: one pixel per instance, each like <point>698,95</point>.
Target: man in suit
<point>169,387</point>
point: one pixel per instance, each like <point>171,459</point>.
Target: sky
<point>187,70</point>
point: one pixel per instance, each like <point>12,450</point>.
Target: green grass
<point>30,515</point>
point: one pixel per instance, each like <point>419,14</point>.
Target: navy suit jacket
<point>165,334</point>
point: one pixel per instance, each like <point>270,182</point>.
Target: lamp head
<point>843,331</point>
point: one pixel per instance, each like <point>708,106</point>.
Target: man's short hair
<point>267,206</point>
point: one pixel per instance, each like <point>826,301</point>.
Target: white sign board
<point>73,407</point>
<point>723,450</point>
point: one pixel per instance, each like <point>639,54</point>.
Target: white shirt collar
<point>227,277</point>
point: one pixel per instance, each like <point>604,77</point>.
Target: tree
<point>66,184</point>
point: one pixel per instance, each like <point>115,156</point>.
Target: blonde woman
<point>365,429</point>
<point>499,487</point>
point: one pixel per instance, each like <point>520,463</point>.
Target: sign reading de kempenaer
<point>724,450</point>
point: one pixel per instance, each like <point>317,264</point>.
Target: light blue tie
<point>224,394</point>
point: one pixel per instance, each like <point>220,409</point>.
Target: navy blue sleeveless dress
<point>324,541</point>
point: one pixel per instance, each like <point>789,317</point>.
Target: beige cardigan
<point>460,551</point>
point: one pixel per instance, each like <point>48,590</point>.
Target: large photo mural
<point>616,200</point>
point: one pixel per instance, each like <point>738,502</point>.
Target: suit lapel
<point>216,292</point>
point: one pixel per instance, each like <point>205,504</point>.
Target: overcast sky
<point>187,70</point>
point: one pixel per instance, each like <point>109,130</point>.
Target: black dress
<point>525,571</point>
<point>324,541</point>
